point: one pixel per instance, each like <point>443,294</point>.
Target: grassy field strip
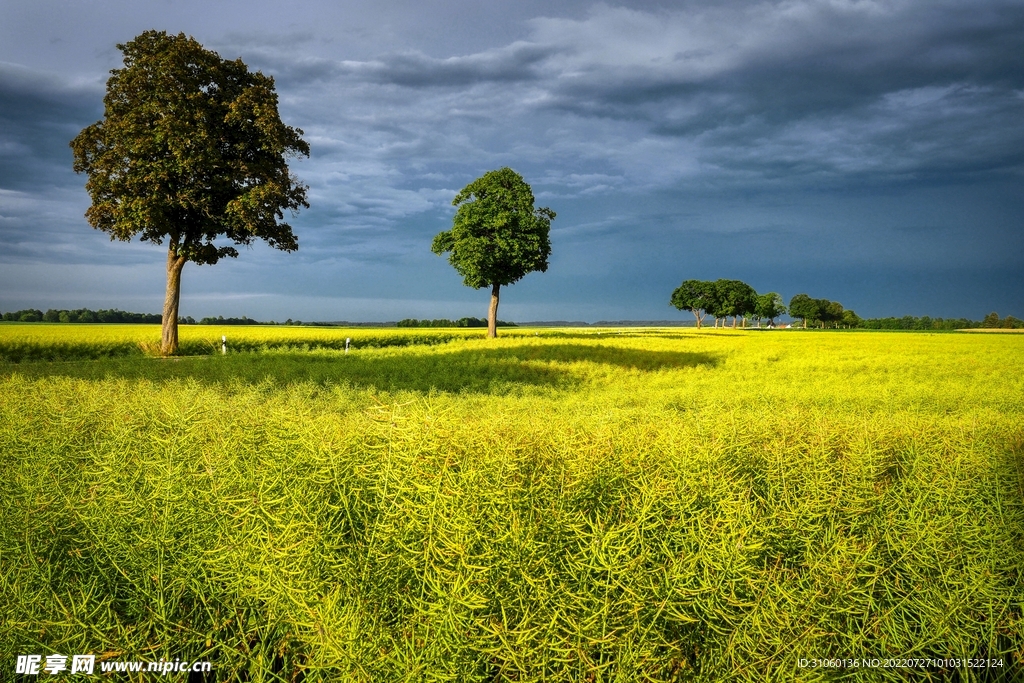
<point>654,506</point>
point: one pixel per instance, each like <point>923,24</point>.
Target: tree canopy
<point>769,306</point>
<point>737,298</point>
<point>696,296</point>
<point>191,148</point>
<point>803,307</point>
<point>497,235</point>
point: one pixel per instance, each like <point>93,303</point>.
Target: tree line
<point>80,315</point>
<point>722,299</point>
<point>444,322</point>
<point>104,315</point>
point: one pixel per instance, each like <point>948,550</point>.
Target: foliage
<point>769,306</point>
<point>497,236</point>
<point>540,508</point>
<point>191,148</point>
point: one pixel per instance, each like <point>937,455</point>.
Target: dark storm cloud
<point>41,201</point>
<point>834,90</point>
<point>39,115</point>
<point>802,88</point>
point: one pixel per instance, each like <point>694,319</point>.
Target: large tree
<point>696,296</point>
<point>738,299</point>
<point>497,236</point>
<point>190,149</point>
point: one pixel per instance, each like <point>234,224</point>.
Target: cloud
<point>739,92</point>
<point>513,63</point>
<point>39,115</point>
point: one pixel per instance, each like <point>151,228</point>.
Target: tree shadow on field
<point>475,370</point>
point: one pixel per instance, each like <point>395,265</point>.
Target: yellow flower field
<point>554,505</point>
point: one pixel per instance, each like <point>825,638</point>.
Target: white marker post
<point>223,345</point>
<point>348,340</point>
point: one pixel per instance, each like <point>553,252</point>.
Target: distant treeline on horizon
<point>85,315</point>
<point>444,322</point>
<point>991,321</point>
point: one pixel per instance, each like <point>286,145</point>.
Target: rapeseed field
<point>554,505</point>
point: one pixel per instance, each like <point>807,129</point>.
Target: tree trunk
<point>697,316</point>
<point>169,327</point>
<point>492,313</point>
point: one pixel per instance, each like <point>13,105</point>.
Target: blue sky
<point>865,152</point>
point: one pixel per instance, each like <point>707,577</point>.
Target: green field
<point>555,505</point>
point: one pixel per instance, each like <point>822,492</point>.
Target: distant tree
<point>191,149</point>
<point>830,312</point>
<point>991,320</point>
<point>699,297</point>
<point>850,319</point>
<point>221,320</point>
<point>497,236</point>
<point>768,307</point>
<point>737,298</point>
<point>803,308</point>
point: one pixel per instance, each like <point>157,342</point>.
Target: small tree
<point>696,296</point>
<point>190,149</point>
<point>497,235</point>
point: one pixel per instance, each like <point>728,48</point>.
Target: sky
<point>867,152</point>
